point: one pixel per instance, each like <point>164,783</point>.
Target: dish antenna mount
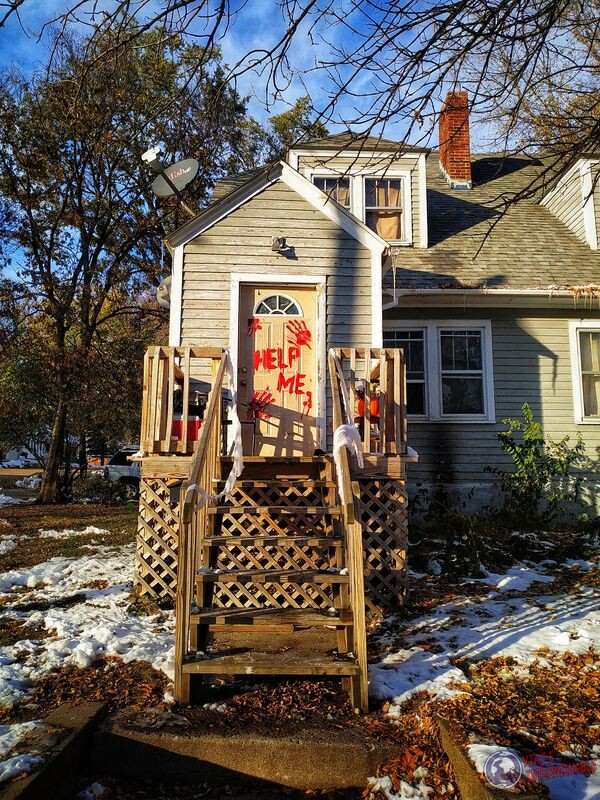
<point>172,180</point>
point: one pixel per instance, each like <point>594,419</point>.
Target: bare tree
<point>387,61</point>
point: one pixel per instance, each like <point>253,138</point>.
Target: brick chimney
<point>455,146</point>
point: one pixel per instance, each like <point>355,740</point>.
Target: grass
<point>24,522</point>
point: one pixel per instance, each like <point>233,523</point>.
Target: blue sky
<point>259,25</point>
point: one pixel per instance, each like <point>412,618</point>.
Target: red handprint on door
<point>298,333</point>
<point>256,406</point>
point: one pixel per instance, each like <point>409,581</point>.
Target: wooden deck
<point>295,537</point>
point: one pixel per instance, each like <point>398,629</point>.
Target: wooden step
<point>280,459</point>
<point>332,511</point>
<point>259,618</point>
<point>283,483</point>
<point>282,576</point>
<point>267,539</point>
<point>253,662</point>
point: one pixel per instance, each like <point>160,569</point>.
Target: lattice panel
<point>272,595</point>
<point>385,537</point>
<point>383,510</point>
<point>275,494</point>
<point>157,539</point>
<point>270,556</point>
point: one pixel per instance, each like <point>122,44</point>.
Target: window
<point>383,207</point>
<point>279,304</point>
<point>585,364</point>
<point>413,344</point>
<point>448,370</point>
<point>336,188</point>
<point>382,200</point>
<point>461,371</point>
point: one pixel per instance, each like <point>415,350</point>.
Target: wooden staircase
<point>280,554</point>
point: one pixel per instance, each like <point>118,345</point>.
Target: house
<point>494,304</point>
<point>448,309</point>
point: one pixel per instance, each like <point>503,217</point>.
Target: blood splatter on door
<point>277,369</point>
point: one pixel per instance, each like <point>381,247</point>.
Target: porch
<point>295,538</point>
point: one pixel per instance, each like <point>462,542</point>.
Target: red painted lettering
<point>271,358</point>
<point>280,362</point>
<point>293,354</point>
<point>258,358</point>
<point>299,383</point>
<point>307,404</point>
<point>285,384</point>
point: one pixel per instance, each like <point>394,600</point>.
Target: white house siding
<point>348,165</point>
<point>241,243</point>
<point>531,360</point>
<point>566,202</point>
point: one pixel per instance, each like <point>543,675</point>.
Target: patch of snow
<point>477,628</point>
<point>17,765</point>
<point>406,791</point>
<point>580,786</point>
<point>11,735</point>
<point>517,579</point>
<point>434,567</point>
<point>93,792</point>
<point>579,563</point>
<point>5,500</point>
<point>29,482</point>
<point>7,544</point>
<point>66,533</point>
<point>98,625</point>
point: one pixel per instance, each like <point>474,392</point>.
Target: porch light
<point>278,245</point>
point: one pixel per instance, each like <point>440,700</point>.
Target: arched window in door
<point>277,304</point>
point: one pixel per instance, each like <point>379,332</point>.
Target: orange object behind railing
<point>381,417</point>
<point>170,374</point>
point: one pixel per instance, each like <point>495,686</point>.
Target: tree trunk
<point>49,487</point>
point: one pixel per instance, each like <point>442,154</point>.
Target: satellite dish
<point>163,293</point>
<point>180,174</point>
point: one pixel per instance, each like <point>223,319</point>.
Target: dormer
<point>381,182</point>
<point>575,199</point>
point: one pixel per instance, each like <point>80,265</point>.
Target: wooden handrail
<point>383,416</point>
<point>352,534</point>
<point>193,522</point>
<point>166,368</point>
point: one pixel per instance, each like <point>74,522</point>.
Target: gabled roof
<point>256,183</point>
<point>475,241</point>
<point>348,140</point>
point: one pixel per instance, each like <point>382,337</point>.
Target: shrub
<point>98,489</point>
<point>541,485</point>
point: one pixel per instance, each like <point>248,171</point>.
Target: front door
<point>277,369</point>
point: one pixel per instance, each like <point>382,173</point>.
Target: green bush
<point>98,489</point>
<point>541,486</point>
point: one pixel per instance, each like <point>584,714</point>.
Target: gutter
<point>573,292</point>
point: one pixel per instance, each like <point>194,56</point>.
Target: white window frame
<point>433,367</point>
<point>575,327</point>
<point>331,174</point>
<point>357,193</point>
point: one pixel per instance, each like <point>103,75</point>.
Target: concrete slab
<point>56,776</point>
<point>298,761</point>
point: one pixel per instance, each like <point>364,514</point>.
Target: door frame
<point>239,279</point>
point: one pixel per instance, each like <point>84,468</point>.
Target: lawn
<point>511,659</point>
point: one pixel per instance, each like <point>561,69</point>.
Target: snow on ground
<point>482,627</point>
<point>10,737</point>
<point>66,533</point>
<point>5,500</point>
<point>30,482</point>
<point>553,773</point>
<point>95,624</point>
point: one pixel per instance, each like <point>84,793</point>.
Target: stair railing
<point>171,374</point>
<point>348,492</point>
<point>193,520</point>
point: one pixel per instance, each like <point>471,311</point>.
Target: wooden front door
<point>277,369</point>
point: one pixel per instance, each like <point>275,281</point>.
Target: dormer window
<point>380,199</point>
<point>336,188</point>
<point>383,207</point>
